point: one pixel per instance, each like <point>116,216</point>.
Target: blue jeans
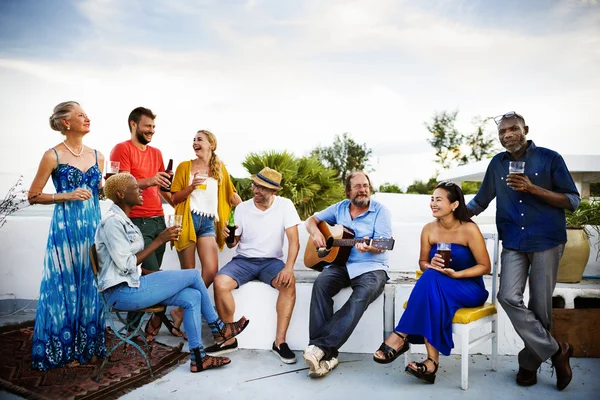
<point>330,331</point>
<point>183,288</point>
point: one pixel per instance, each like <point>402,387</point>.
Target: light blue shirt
<point>375,223</point>
<point>118,241</point>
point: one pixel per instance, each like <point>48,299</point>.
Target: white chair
<point>467,319</point>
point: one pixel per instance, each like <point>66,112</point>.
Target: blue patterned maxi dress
<point>69,322</point>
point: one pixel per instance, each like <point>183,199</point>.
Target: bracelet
<point>53,200</point>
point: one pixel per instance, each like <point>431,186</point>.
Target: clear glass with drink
<point>174,220</point>
<point>445,249</point>
<point>112,167</point>
<point>516,167</point>
<point>202,174</point>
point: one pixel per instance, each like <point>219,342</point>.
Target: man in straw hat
<point>260,225</point>
<point>365,272</point>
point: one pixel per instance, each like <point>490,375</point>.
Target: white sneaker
<point>312,356</point>
<point>324,367</point>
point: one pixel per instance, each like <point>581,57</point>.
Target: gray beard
<point>360,203</point>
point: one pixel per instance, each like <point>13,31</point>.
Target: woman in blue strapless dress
<point>441,290</point>
<point>69,322</point>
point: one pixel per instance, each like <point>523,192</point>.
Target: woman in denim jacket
<point>120,248</point>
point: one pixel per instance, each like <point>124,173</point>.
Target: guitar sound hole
<point>322,253</point>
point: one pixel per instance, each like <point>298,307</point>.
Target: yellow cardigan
<point>225,192</point>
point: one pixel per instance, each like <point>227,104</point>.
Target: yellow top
<point>226,190</point>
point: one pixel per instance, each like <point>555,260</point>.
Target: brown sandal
<point>208,362</point>
<point>231,330</point>
<point>389,353</point>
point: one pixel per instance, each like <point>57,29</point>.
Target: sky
<point>290,75</point>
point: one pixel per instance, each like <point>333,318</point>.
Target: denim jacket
<point>118,241</point>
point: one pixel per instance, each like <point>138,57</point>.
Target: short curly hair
<point>115,183</point>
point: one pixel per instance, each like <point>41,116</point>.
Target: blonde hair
<point>215,164</point>
<point>60,112</point>
<point>116,183</point>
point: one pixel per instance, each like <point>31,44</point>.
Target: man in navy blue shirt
<point>530,217</point>
<point>365,272</point>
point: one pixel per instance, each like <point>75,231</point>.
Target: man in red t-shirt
<point>145,163</point>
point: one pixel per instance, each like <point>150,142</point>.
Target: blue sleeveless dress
<point>69,321</point>
<point>435,299</point>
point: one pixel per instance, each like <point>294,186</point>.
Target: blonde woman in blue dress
<point>69,322</point>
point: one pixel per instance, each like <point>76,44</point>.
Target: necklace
<point>72,152</point>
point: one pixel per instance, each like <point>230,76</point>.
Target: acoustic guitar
<point>339,241</point>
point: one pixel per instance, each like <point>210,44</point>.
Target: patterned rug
<point>123,373</point>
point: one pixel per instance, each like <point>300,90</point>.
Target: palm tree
<point>306,181</point>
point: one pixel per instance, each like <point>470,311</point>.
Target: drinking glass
<point>174,220</point>
<point>516,167</point>
<point>202,174</point>
<point>112,167</point>
<point>444,249</point>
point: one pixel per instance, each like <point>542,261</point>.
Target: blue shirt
<point>118,241</point>
<point>525,222</point>
<point>375,223</point>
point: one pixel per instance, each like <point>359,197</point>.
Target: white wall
<point>23,243</point>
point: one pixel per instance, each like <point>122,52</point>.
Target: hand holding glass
<point>201,174</point>
<point>444,249</point>
<point>516,168</point>
<point>174,220</point>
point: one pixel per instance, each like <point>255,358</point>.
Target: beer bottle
<point>169,171</point>
<point>231,226</point>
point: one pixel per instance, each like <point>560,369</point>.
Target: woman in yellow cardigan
<point>205,203</point>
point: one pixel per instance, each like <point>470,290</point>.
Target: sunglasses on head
<point>447,184</point>
<point>510,114</point>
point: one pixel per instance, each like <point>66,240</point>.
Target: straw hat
<point>268,178</point>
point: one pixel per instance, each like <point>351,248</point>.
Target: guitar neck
<point>347,242</point>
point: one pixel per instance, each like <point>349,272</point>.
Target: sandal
<point>421,371</point>
<point>213,362</point>
<point>231,330</point>
<point>173,330</point>
<point>149,335</point>
<point>389,353</point>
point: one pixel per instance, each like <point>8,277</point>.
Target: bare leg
<point>224,301</point>
<point>285,306</point>
<point>209,258</point>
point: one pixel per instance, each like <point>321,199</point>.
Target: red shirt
<point>142,165</point>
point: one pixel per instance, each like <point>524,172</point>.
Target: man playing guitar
<point>365,272</point>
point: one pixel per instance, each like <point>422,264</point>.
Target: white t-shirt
<point>262,232</point>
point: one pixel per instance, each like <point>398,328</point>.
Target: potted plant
<point>577,249</point>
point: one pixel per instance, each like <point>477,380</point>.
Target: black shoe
<point>560,361</point>
<point>526,377</point>
<point>218,349</point>
<point>284,353</point>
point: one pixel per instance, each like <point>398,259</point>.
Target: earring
<point>454,209</point>
<point>68,128</point>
